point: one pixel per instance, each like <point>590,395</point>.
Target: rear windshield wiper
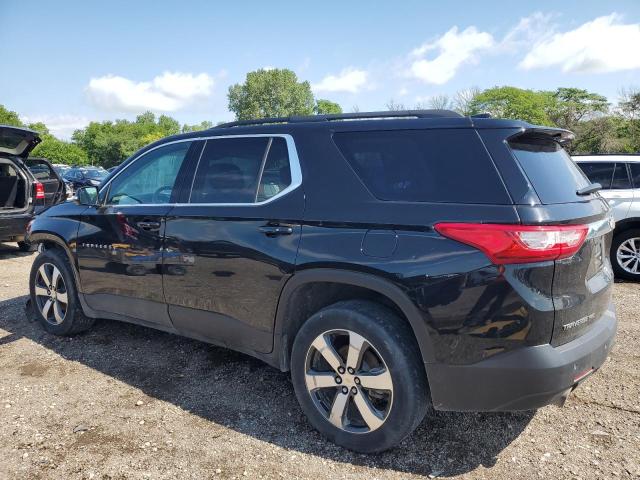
<point>589,189</point>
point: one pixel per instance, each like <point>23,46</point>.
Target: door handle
<point>275,230</point>
<point>149,225</point>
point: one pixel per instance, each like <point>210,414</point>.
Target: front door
<point>232,244</point>
<point>120,242</point>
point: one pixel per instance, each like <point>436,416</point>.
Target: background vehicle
<point>355,255</point>
<point>619,176</point>
<point>26,186</point>
<point>85,176</point>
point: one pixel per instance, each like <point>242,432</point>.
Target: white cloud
<point>168,92</point>
<point>61,126</point>
<point>454,50</point>
<point>601,45</point>
<point>348,80</point>
<point>529,30</point>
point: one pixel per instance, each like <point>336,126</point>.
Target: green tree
<point>59,151</point>
<point>572,105</point>
<point>326,107</point>
<point>109,143</point>
<point>39,127</point>
<point>204,125</point>
<point>512,102</point>
<point>8,117</point>
<point>270,93</point>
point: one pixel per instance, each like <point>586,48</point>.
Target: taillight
<point>39,191</point>
<point>518,243</point>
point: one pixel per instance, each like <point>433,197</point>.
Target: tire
<point>392,357</point>
<point>25,247</point>
<point>620,254</point>
<point>62,319</point>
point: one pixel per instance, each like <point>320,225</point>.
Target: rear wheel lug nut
<point>354,390</point>
<point>345,390</point>
<point>338,380</point>
<point>351,370</point>
<point>357,381</point>
<point>341,370</point>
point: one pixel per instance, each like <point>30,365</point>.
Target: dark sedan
<point>85,176</point>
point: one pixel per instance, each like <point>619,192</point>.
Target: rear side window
<point>437,165</point>
<point>552,173</point>
<point>599,172</point>
<point>620,177</point>
<point>241,170</point>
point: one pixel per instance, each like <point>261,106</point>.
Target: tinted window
<point>228,170</point>
<point>599,172</point>
<point>552,173</point>
<point>635,174</point>
<point>149,179</point>
<point>276,175</point>
<point>620,177</point>
<point>423,165</point>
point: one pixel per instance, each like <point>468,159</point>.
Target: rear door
<point>42,170</point>
<point>120,243</point>
<point>582,284</point>
<point>232,240</point>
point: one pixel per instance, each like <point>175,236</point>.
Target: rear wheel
<point>625,254</point>
<point>54,296</point>
<point>358,376</point>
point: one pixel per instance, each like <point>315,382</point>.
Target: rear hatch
<point>582,283</point>
<point>17,141</point>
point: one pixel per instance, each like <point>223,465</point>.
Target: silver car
<point>619,176</point>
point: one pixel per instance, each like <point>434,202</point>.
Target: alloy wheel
<point>628,255</point>
<point>348,381</point>
<point>51,294</point>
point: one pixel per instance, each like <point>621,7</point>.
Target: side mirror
<point>87,195</point>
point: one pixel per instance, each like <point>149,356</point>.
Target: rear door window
<point>598,172</point>
<point>552,173</point>
<point>621,179</point>
<point>439,165</point>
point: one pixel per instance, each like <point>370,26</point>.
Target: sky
<point>68,63</point>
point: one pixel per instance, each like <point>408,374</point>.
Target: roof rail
<point>345,116</point>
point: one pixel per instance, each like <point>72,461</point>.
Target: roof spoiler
<point>560,135</point>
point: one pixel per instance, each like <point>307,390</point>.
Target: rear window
<point>437,165</point>
<point>552,173</point>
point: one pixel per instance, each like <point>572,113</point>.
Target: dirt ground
<point>122,401</point>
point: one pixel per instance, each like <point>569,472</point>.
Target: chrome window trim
<point>294,165</point>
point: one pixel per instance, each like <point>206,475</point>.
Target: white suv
<point>619,176</point>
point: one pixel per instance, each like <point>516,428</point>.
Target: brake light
<point>39,191</point>
<point>518,243</point>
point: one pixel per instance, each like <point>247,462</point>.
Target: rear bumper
<point>524,379</point>
<point>14,227</point>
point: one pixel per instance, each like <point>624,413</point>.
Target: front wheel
<point>625,254</point>
<point>53,295</point>
<point>358,375</point>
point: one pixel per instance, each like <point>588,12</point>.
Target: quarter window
<point>150,179</point>
<point>423,165</point>
<point>635,174</point>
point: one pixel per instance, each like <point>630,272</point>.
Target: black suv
<point>387,261</point>
<point>27,185</point>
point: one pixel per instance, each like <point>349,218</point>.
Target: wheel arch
<point>50,240</point>
<point>626,224</point>
<point>295,306</point>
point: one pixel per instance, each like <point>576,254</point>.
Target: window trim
<point>294,166</point>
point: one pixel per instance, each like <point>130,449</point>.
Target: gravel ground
<point>123,401</point>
